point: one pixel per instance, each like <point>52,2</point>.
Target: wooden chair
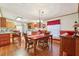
<point>16,35</point>
<point>43,42</point>
<point>28,42</point>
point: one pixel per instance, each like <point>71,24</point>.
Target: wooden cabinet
<point>77,46</point>
<point>2,22</point>
<point>69,46</point>
<point>31,25</point>
<point>4,39</point>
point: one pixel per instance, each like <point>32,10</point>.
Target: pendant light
<point>41,12</point>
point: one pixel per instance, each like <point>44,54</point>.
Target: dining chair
<point>28,42</point>
<point>43,42</point>
<point>16,37</point>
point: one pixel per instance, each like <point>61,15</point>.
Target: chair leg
<point>46,44</point>
<point>43,44</point>
<point>25,45</point>
<point>28,46</point>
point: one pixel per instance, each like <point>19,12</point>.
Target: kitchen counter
<point>6,32</point>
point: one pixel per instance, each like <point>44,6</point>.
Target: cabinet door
<point>67,46</point>
<point>2,22</point>
<point>77,46</point>
<point>4,39</point>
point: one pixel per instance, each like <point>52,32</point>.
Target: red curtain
<point>54,22</point>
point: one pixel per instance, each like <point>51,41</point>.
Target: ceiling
<point>33,11</point>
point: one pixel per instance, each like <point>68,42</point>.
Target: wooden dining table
<point>35,38</point>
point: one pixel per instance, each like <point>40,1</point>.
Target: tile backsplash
<point>3,30</point>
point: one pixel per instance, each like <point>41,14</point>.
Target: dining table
<point>35,38</point>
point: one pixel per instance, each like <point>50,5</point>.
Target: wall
<point>67,22</point>
<point>8,14</point>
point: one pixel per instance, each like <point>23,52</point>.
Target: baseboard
<point>56,39</point>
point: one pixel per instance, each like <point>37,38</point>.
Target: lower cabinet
<point>77,46</point>
<point>4,39</point>
<point>69,46</point>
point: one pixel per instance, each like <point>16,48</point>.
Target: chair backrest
<point>25,36</point>
<point>17,34</point>
<point>46,38</point>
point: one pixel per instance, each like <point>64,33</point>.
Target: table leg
<point>51,45</point>
<point>25,44</point>
<point>19,39</point>
<point>51,42</point>
<point>35,42</point>
<point>13,40</point>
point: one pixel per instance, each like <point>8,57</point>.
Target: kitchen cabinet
<point>4,39</point>
<point>2,22</point>
<point>69,46</point>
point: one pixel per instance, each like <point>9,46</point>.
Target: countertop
<point>6,32</point>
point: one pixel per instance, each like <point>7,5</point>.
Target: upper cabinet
<point>2,22</point>
<point>10,24</point>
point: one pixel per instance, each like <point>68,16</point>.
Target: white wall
<point>8,13</point>
<point>67,22</point>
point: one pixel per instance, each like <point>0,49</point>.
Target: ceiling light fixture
<point>18,18</point>
<point>41,12</point>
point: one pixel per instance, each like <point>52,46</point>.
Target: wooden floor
<point>17,50</point>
